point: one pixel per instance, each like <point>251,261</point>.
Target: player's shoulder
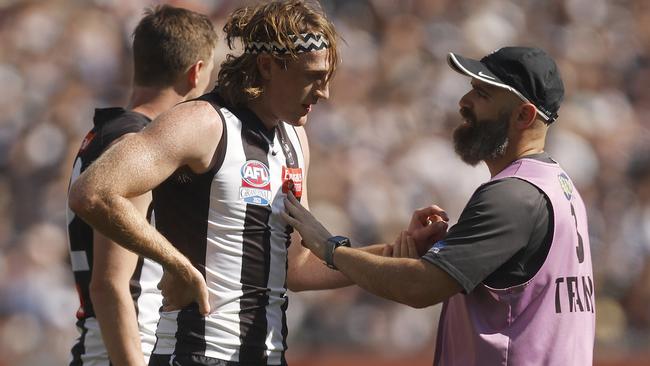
<point>195,125</point>
<point>192,114</point>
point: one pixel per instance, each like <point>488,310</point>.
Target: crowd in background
<point>380,148</point>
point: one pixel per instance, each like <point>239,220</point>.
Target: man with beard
<point>515,272</point>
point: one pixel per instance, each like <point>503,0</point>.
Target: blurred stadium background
<point>380,148</point>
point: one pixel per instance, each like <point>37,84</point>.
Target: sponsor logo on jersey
<point>256,183</point>
<point>566,185</point>
<point>292,181</point>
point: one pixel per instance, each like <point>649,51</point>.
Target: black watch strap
<point>333,243</point>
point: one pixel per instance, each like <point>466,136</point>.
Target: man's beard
<point>486,139</point>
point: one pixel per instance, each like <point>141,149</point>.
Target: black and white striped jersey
<point>109,125</point>
<point>227,222</point>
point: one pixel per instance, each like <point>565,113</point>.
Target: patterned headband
<point>306,42</point>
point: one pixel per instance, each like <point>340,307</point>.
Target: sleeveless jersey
<point>227,222</point>
<point>109,125</point>
<point>549,320</point>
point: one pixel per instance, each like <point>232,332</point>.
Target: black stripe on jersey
<point>256,260</point>
<point>292,162</point>
<point>79,348</point>
<point>190,332</point>
<point>149,212</point>
<point>186,194</point>
<point>223,143</point>
<point>81,239</point>
<point>287,147</point>
<point>285,328</point>
<point>134,284</point>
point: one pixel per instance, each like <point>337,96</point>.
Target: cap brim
<point>478,70</point>
<point>475,69</point>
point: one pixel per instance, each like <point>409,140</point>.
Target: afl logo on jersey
<point>255,174</point>
<point>256,183</point>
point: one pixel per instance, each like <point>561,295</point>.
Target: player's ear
<point>264,64</point>
<point>193,73</point>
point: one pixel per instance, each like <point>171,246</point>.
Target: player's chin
<point>298,122</point>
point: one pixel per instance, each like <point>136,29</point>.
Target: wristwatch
<point>333,243</point>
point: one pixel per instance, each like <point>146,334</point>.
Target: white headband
<point>306,42</point>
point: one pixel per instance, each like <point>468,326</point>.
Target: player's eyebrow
<point>316,72</point>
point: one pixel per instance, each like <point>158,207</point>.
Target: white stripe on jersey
<point>79,260</point>
<point>166,333</point>
<point>224,249</point>
<point>95,352</point>
<point>76,172</point>
<point>149,302</point>
<point>277,275</point>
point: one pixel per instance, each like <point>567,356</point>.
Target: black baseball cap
<point>528,72</point>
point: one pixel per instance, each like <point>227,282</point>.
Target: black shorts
<point>196,360</point>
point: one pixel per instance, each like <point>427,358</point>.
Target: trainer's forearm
<point>313,274</point>
<point>118,322</point>
<point>404,280</point>
<point>369,271</point>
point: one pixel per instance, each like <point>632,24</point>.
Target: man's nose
<point>323,91</point>
<point>464,101</point>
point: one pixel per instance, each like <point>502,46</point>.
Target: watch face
<point>340,241</point>
<point>333,243</point>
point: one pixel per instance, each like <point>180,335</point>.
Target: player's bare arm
<point>139,164</point>
<point>113,267</point>
<point>109,289</point>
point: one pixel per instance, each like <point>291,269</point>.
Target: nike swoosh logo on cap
<point>480,73</point>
